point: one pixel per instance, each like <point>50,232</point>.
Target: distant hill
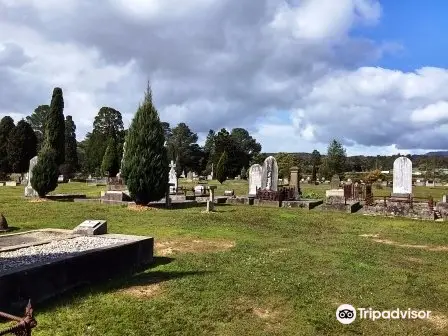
<point>438,153</point>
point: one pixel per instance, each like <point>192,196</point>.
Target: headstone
<point>91,228</point>
<point>255,175</point>
<point>402,177</point>
<point>173,177</point>
<point>190,176</point>
<point>229,192</point>
<point>211,201</point>
<point>199,190</point>
<point>183,174</point>
<point>29,191</point>
<point>444,198</point>
<point>294,181</point>
<point>335,182</point>
<point>269,179</point>
<point>60,178</point>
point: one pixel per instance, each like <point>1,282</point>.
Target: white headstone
<point>173,177</point>
<point>255,174</point>
<point>402,180</point>
<point>269,180</point>
<point>29,191</point>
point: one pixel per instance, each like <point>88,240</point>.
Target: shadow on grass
<point>142,277</point>
<point>10,229</point>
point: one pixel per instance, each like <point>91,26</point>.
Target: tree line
<point>225,153</point>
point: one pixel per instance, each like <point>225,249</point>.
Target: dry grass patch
<point>440,321</point>
<point>143,291</point>
<point>166,248</point>
<point>375,238</point>
<point>38,200</point>
<point>135,207</point>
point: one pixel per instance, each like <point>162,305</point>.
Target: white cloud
<point>223,63</point>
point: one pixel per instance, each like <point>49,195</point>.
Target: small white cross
<point>172,164</point>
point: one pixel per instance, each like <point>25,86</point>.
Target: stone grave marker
<point>255,175</point>
<point>335,182</point>
<point>173,178</point>
<point>294,181</point>
<point>402,177</point>
<point>269,180</point>
<point>29,191</point>
<point>91,228</point>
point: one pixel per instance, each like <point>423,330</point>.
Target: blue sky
<point>419,27</point>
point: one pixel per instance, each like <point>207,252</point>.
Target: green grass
<point>286,275</point>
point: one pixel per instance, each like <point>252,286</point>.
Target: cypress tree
<point>45,173</point>
<point>21,147</point>
<point>221,171</point>
<point>6,126</point>
<point>111,162</point>
<point>71,151</point>
<point>145,164</point>
<point>55,126</point>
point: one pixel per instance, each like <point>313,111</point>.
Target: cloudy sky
<point>295,73</point>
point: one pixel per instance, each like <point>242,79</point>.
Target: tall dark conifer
<point>145,165</point>
<point>55,126</point>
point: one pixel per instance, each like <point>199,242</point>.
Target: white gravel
<point>53,251</point>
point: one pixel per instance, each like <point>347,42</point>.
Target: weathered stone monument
<point>402,177</point>
<point>190,176</point>
<point>269,179</point>
<point>173,178</point>
<point>335,182</point>
<point>255,175</point>
<point>211,201</point>
<point>294,181</point>
<point>29,191</point>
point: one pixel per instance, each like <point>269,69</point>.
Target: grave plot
<point>40,264</point>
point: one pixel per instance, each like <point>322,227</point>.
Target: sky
<point>295,73</point>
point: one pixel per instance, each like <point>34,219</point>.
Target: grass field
<point>250,270</point>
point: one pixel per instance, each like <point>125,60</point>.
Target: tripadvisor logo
<point>346,314</point>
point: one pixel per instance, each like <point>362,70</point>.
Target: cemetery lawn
<point>249,271</point>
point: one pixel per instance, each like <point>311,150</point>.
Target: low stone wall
<point>418,210</point>
<point>240,200</point>
<point>306,204</point>
<point>335,200</point>
<point>265,203</point>
<point>350,207</point>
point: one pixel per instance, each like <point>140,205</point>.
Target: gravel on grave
<point>53,251</point>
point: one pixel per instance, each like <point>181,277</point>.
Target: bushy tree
<point>145,165</point>
<point>37,120</point>
<point>285,161</point>
<point>111,160</point>
<point>6,127</point>
<point>179,145</point>
<point>221,168</point>
<point>55,126</point>
<point>45,174</point>
<point>21,147</point>
<point>108,124</point>
<point>336,158</point>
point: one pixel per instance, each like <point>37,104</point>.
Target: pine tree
<point>55,126</point>
<point>45,174</point>
<point>221,171</point>
<point>111,162</point>
<point>145,165</point>
<point>21,147</point>
<point>336,157</point>
<point>6,126</point>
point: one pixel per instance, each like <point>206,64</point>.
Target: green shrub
<point>45,173</point>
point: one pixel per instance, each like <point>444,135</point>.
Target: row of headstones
<point>402,177</point>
